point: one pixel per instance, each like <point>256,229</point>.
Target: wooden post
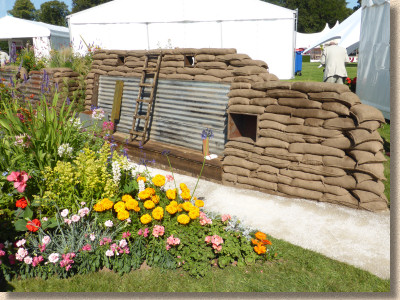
<point>116,108</point>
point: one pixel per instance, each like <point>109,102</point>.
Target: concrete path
<point>356,237</point>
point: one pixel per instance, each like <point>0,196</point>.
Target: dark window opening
<point>121,60</point>
<point>189,60</point>
<point>242,126</point>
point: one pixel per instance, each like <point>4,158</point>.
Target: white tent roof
<point>305,40</point>
<point>153,11</point>
<point>348,31</point>
<point>11,27</point>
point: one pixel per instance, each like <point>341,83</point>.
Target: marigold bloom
<point>123,215</point>
<point>126,198</point>
<point>266,242</point>
<point>255,242</point>
<point>141,178</point>
<point>187,206</point>
<point>145,219</point>
<point>158,213</point>
<point>194,213</point>
<point>107,204</point>
<point>131,204</point>
<point>155,199</point>
<point>149,204</point>
<point>143,195</point>
<point>179,207</point>
<point>171,194</point>
<point>183,219</point>
<point>185,195</point>
<point>119,206</point>
<point>183,187</point>
<point>260,249</point>
<point>260,235</point>
<point>151,191</point>
<point>158,180</point>
<point>171,209</point>
<point>199,203</point>
<point>33,225</point>
<point>137,209</point>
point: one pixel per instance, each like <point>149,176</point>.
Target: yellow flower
<point>141,178</point>
<point>171,194</point>
<point>98,207</point>
<point>131,204</point>
<point>151,191</point>
<point>183,187</point>
<point>107,203</point>
<point>144,195</point>
<point>171,209</point>
<point>185,195</point>
<point>155,199</point>
<point>194,213</point>
<point>187,206</point>
<point>179,207</point>
<point>145,219</point>
<point>183,219</point>
<point>199,203</point>
<point>149,204</point>
<point>158,180</point>
<point>119,206</point>
<point>126,198</point>
<point>158,213</point>
<point>173,203</point>
<point>123,215</point>
<point>137,209</point>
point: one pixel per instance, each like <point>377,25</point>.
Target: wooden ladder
<point>140,99</point>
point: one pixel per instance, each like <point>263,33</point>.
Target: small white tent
<point>373,74</point>
<point>305,40</point>
<point>43,37</point>
<point>259,29</point>
<point>348,32</point>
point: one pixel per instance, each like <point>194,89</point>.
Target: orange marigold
<point>141,178</point>
<point>155,199</point>
<point>126,198</point>
<point>144,195</point>
<point>158,180</point>
<point>171,194</point>
<point>260,235</point>
<point>260,249</point>
<point>151,191</point>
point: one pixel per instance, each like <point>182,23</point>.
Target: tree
<point>78,5</point>
<point>357,6</point>
<point>53,12</point>
<point>23,9</point>
<point>314,14</point>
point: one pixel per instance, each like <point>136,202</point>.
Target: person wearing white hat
<point>334,58</point>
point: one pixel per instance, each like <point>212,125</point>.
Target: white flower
<point>98,114</point>
<point>76,122</point>
<point>64,213</point>
<point>44,219</point>
<point>7,244</point>
<point>108,223</point>
<point>54,257</point>
<point>142,187</point>
<point>21,253</point>
<point>46,240</point>
<point>65,150</point>
<point>75,218</point>
<point>83,203</point>
<point>116,172</point>
<point>83,212</point>
<point>123,243</point>
<point>20,243</point>
<point>92,237</point>
<point>128,220</point>
<point>109,253</point>
<point>28,260</point>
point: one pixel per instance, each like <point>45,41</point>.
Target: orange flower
<point>261,236</point>
<point>32,95</point>
<point>266,242</point>
<point>255,242</point>
<point>260,249</point>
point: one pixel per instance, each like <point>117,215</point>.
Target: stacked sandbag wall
<point>207,64</point>
<point>314,141</point>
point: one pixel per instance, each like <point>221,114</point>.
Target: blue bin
<point>298,63</point>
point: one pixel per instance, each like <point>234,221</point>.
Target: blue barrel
<point>298,63</point>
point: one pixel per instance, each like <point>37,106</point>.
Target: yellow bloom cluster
<point>119,206</point>
<point>143,195</point>
<point>158,213</point>
<point>183,219</point>
<point>187,206</point>
<point>141,178</point>
<point>158,180</point>
<point>199,203</point>
<point>132,205</point>
<point>172,208</point>
<point>123,215</point>
<point>145,219</point>
<point>155,199</point>
<point>185,195</point>
<point>194,213</point>
<point>103,205</point>
<point>149,204</point>
<point>126,198</point>
<point>171,194</point>
<point>151,191</point>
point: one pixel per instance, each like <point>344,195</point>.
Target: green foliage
<point>78,5</point>
<point>53,12</point>
<point>306,58</point>
<point>29,61</point>
<point>23,9</point>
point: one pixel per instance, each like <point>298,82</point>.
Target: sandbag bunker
<point>306,140</point>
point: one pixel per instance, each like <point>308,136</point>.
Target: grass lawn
<point>297,270</point>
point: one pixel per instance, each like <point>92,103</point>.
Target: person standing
<point>334,59</point>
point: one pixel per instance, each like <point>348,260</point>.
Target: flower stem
<point>198,178</point>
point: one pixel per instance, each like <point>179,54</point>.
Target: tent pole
<point>148,39</point>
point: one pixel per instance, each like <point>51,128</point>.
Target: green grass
<point>297,270</point>
<point>310,72</point>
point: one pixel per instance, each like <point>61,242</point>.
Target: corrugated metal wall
<point>182,109</point>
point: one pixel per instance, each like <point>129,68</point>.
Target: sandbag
<point>173,57</point>
<point>116,73</point>
<point>359,136</point>
<point>283,153</point>
<point>312,159</point>
<point>376,170</point>
<point>238,100</point>
<point>236,152</point>
<point>168,70</point>
<point>309,185</point>
<point>299,192</point>
<point>372,186</point>
<point>134,64</point>
<point>317,87</point>
<point>299,103</point>
<point>318,170</point>
<point>361,177</point>
<point>300,175</point>
<point>304,148</point>
<point>246,93</point>
<point>180,76</point>
<point>336,107</point>
<point>349,99</point>
<point>244,146</point>
<point>269,85</point>
<point>363,112</point>
<point>229,57</point>
<point>339,142</point>
<point>240,85</point>
<point>216,51</point>
<point>236,170</point>
<point>265,176</point>
<point>239,162</point>
<point>271,125</point>
<point>347,181</point>
<point>229,177</point>
<point>279,109</point>
<point>190,71</point>
<point>228,79</point>
<point>250,109</point>
<point>346,162</point>
<point>206,78</point>
<point>369,125</point>
<point>268,77</point>
<point>267,160</point>
<point>283,119</point>
<point>204,57</point>
<point>250,79</point>
<point>316,131</point>
<point>314,113</point>
<point>313,122</point>
<point>281,93</point>
<point>219,73</point>
<point>346,200</point>
<point>271,142</point>
<point>268,169</point>
<point>211,65</point>
<point>287,137</point>
<point>372,146</point>
<point>339,124</point>
<point>336,190</point>
<point>362,157</point>
<point>176,64</point>
<point>258,183</point>
<point>249,70</point>
<point>248,62</point>
<point>375,206</point>
<point>263,101</point>
<point>244,139</point>
<point>324,96</point>
<point>313,139</point>
<point>365,196</point>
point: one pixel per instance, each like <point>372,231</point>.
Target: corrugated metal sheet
<point>182,109</point>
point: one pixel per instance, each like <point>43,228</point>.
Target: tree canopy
<point>78,5</point>
<point>53,12</point>
<point>23,9</point>
<point>314,14</point>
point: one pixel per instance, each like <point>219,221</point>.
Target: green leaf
<point>20,225</point>
<point>28,213</point>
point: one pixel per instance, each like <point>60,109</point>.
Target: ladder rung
<point>141,117</point>
<point>143,100</point>
<point>150,70</point>
<point>140,133</point>
<point>146,84</point>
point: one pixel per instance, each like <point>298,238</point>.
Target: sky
<point>8,5</point>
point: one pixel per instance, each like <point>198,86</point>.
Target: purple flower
<point>207,133</point>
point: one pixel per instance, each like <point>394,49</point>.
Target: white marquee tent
<point>373,74</point>
<point>42,36</point>
<point>259,29</point>
<point>305,40</point>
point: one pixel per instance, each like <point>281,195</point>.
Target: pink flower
<point>217,248</point>
<point>140,232</point>
<point>2,253</point>
<point>217,240</point>
<point>92,237</point>
<point>46,240</point>
<point>19,179</point>
<point>28,260</point>
<point>170,240</point>
<point>68,221</point>
<point>169,178</point>
<point>83,212</point>
<point>42,247</point>
<point>11,259</point>
<point>123,243</point>
<point>146,232</point>
<point>126,235</point>
<point>158,230</point>
<point>75,218</point>
<point>37,260</point>
<point>225,218</point>
<point>44,219</point>
<point>64,213</point>
<point>177,241</point>
<point>87,247</point>
<point>21,253</point>
<point>54,257</point>
<point>108,223</point>
<point>208,239</point>
<point>108,126</point>
<point>109,253</point>
<point>167,247</point>
<point>20,243</point>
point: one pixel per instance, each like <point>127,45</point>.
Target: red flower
<point>32,95</point>
<point>33,225</point>
<point>21,203</point>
